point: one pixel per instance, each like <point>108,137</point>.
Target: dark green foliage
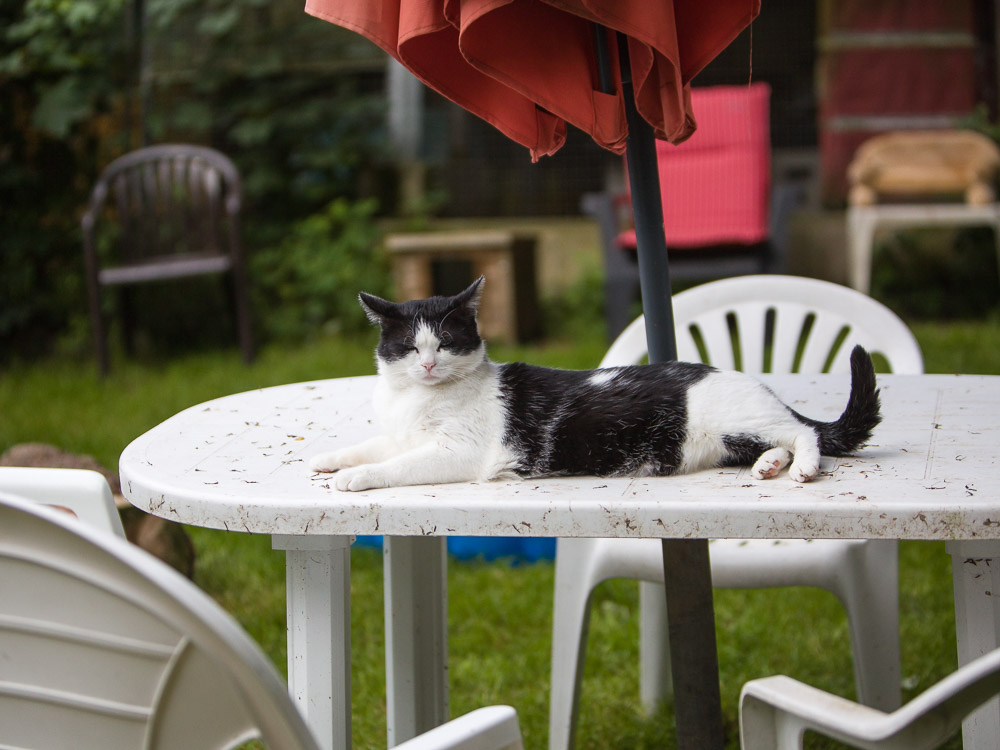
<point>579,308</point>
<point>59,71</point>
<point>296,102</point>
<point>61,62</point>
<point>938,274</point>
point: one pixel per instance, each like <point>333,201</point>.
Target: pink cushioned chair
<point>715,185</point>
<point>721,217</point>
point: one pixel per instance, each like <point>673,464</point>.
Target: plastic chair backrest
<point>85,493</point>
<point>715,186</point>
<point>104,646</point>
<point>173,199</point>
<point>779,324</point>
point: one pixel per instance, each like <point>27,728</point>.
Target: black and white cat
<point>452,415</point>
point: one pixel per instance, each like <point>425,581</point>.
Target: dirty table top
<point>239,463</point>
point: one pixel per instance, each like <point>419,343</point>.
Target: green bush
<point>934,274</point>
<point>578,308</point>
<point>311,279</point>
<point>61,74</point>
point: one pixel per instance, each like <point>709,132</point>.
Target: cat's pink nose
<point>428,365</point>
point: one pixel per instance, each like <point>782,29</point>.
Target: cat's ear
<point>376,308</point>
<point>469,298</point>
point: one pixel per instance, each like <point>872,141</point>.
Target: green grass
<point>500,629</point>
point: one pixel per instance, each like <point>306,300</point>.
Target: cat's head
<point>428,341</point>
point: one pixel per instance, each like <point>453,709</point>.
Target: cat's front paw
<point>359,478</point>
<point>331,461</point>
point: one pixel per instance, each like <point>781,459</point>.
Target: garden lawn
<point>500,614</point>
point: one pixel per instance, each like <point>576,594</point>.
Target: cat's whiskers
<point>441,324</point>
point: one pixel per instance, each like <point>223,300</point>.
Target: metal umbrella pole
<point>686,567</point>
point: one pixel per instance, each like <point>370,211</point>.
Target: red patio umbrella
<point>529,67</point>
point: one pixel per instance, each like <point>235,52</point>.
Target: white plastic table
<point>239,463</point>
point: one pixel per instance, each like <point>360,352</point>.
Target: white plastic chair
<point>780,324</point>
<point>775,712</point>
<point>85,493</point>
<point>104,646</point>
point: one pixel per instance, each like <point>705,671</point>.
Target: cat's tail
<point>860,417</point>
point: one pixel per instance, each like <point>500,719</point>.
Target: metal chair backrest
<point>160,213</point>
<point>168,200</point>
<point>778,324</point>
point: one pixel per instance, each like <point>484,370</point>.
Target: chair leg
<point>763,727</point>
<point>126,313</point>
<point>655,683</point>
<point>99,330</point>
<point>996,239</point>
<point>860,238</point>
<point>244,323</point>
<point>870,594</point>
<point>570,622</point>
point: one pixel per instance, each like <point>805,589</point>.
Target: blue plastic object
<point>515,549</point>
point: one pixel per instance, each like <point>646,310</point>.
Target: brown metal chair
<point>177,208</point>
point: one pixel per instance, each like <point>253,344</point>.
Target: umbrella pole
<point>647,210</point>
<point>687,571</point>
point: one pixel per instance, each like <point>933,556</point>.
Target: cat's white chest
<point>465,416</point>
<point>416,410</point>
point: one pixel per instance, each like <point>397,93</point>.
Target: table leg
<point>693,656</point>
<point>976,574</point>
<point>318,592</point>
<point>416,635</point>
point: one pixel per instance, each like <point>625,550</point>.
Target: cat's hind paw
<point>770,463</point>
<point>802,471</point>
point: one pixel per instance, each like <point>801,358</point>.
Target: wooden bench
<point>429,263</point>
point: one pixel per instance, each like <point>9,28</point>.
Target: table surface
<point>239,463</point>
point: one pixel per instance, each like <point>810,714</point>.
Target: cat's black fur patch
<point>559,422</point>
<point>743,450</point>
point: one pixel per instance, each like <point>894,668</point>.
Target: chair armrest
<point>775,713</point>
<point>489,728</point>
